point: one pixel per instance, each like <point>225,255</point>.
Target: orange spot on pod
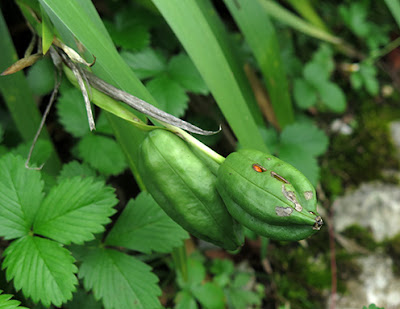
<point>258,168</point>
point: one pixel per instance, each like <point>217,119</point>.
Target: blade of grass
<point>394,7</point>
<point>19,99</point>
<point>283,15</point>
<point>201,33</point>
<point>260,34</point>
<point>81,19</point>
<point>305,9</point>
<point>47,32</point>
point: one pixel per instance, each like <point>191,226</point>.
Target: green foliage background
<point>82,233</point>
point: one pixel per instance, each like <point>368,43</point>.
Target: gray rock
<point>394,128</point>
<point>375,206</point>
<point>376,284</point>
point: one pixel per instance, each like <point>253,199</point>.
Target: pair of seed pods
<point>250,188</point>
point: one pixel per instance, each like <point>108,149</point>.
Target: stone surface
<point>375,206</point>
<point>394,128</point>
<point>375,285</point>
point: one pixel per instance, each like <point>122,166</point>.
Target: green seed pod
<point>185,189</point>
<point>268,196</point>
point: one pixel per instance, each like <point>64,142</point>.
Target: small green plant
<point>168,81</point>
<point>230,287</point>
<point>97,149</point>
<point>7,303</point>
<point>64,242</point>
<point>315,87</point>
<point>40,259</point>
<point>373,306</point>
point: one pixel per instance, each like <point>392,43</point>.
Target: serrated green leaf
<point>304,93</point>
<point>102,124</point>
<point>372,86</point>
<point>238,298</point>
<point>368,73</point>
<point>3,150</point>
<point>7,303</point>
<point>137,14</point>
<point>144,226</point>
<point>372,306</point>
<point>355,17</point>
<point>185,300</point>
<point>74,210</point>
<point>222,267</point>
<point>72,112</point>
<point>169,94</point>
<point>21,193</point>
<point>1,133</point>
<point>133,37</point>
<point>145,63</point>
<point>75,168</point>
<point>41,153</point>
<point>119,280</point>
<point>270,136</point>
<point>314,74</point>
<point>182,70</point>
<point>323,56</point>
<point>81,299</point>
<point>302,160</point>
<point>308,137</point>
<point>47,31</point>
<point>42,268</point>
<point>332,96</point>
<point>242,279</point>
<point>40,76</point>
<point>356,80</point>
<point>102,153</point>
<point>210,295</point>
<point>196,274</point>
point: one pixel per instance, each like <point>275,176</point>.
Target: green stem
<point>105,102</point>
<point>305,9</point>
<point>385,50</point>
<point>19,99</point>
<point>110,105</point>
<point>180,261</point>
<point>196,143</point>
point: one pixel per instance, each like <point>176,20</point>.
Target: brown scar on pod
<point>291,197</point>
<point>279,177</point>
<point>318,223</point>
<point>308,195</point>
<point>283,211</point>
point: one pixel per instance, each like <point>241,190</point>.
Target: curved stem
<point>195,143</point>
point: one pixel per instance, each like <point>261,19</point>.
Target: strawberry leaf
<point>145,227</point>
<point>7,303</point>
<point>306,136</point>
<point>74,210</point>
<point>146,63</point>
<point>40,76</point>
<point>169,94</point>
<point>21,193</point>
<point>40,154</point>
<point>102,153</point>
<point>74,168</point>
<point>42,268</point>
<point>72,112</point>
<point>119,280</point>
<point>183,71</point>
